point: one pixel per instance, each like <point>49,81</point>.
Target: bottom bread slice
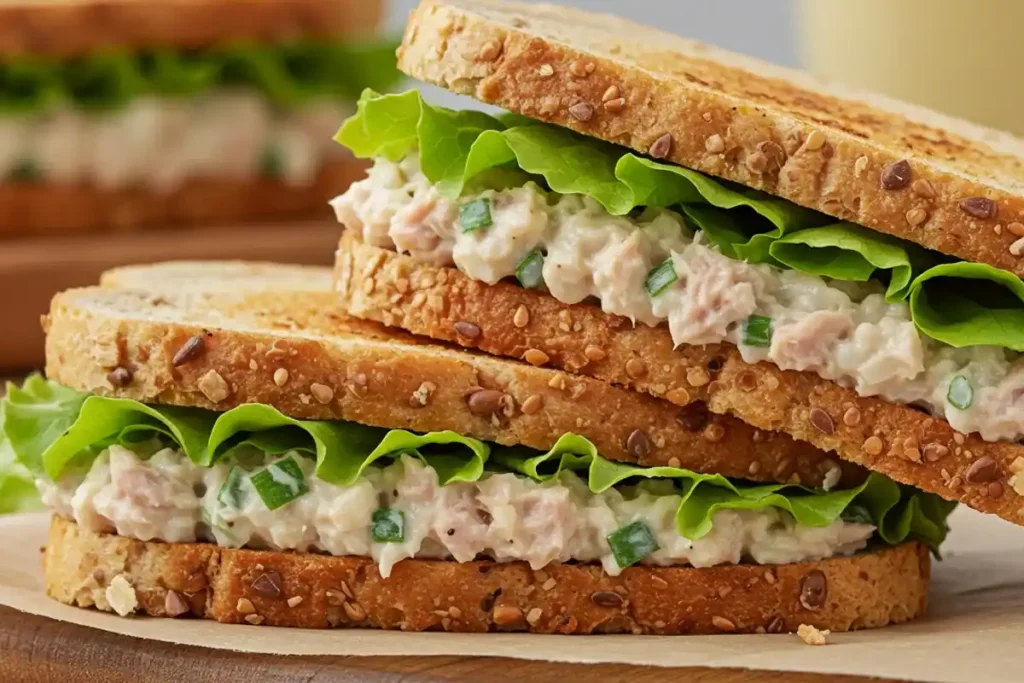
<point>110,572</point>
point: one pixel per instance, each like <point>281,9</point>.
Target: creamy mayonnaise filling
<point>503,516</point>
<point>843,331</point>
<point>163,142</point>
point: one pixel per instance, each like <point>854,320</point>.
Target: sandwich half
<point>705,228</point>
<point>215,441</point>
<point>166,112</point>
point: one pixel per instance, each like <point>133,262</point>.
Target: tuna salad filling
<point>582,219</point>
<point>156,118</point>
<point>401,511</point>
<point>161,143</point>
<point>252,477</point>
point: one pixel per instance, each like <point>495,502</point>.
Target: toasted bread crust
<point>46,209</point>
<point>340,368</point>
<point>73,27</point>
<point>896,440</point>
<point>731,116</point>
<point>863,591</point>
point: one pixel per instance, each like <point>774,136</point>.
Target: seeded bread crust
<point>269,334</point>
<point>899,441</point>
<point>867,590</point>
<point>770,128</point>
<point>73,27</point>
<point>47,209</point>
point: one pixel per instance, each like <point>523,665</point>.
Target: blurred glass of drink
<point>957,56</point>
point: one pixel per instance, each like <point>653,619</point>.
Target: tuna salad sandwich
<point>215,441</point>
<point>704,228</point>
<point>168,112</point>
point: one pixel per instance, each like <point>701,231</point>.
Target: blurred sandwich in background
<point>171,112</point>
<point>213,118</point>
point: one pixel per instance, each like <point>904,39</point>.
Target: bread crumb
<point>121,596</point>
<point>832,477</point>
<point>811,635</point>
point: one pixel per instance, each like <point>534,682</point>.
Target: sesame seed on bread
<point>941,182</point>
<point>257,587</point>
<point>899,441</point>
<point>43,208</point>
<point>266,333</point>
<point>68,28</point>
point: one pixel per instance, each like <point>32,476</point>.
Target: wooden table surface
<point>39,650</point>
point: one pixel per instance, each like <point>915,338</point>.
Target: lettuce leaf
<point>54,437</point>
<point>846,251</point>
<point>899,512</point>
<point>968,304</point>
<point>74,428</point>
<point>35,416</point>
<point>287,74</point>
<point>17,491</point>
<point>456,148</point>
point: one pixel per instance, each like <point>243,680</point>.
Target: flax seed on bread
<point>909,172</point>
<point>214,335</point>
<point>866,590</point>
<point>74,27</point>
<point>44,208</point>
<point>899,441</point>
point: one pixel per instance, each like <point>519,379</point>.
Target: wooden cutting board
<point>32,270</point>
<point>39,650</point>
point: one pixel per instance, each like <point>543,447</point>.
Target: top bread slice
<point>67,28</point>
<point>738,118</point>
<point>269,334</point>
<point>899,441</point>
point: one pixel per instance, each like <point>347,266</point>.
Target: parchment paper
<point>974,632</point>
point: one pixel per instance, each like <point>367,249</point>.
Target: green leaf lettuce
<point>457,147</point>
<point>288,74</point>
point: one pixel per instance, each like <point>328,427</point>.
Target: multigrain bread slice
<point>897,440</point>
<point>46,209</point>
<point>735,117</point>
<point>867,590</point>
<point>74,27</point>
<point>269,334</point>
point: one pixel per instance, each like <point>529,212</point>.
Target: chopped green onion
<point>388,525</point>
<point>961,393</point>
<point>280,483</point>
<point>272,162</point>
<point>857,514</point>
<point>632,543</point>
<point>214,522</point>
<point>25,171</point>
<point>757,331</point>
<point>475,215</point>
<point>530,271</point>
<point>659,279</point>
<point>232,492</point>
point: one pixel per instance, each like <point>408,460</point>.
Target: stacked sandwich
<point>335,472</point>
<point>119,116</point>
<point>691,406</point>
<point>168,112</point>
